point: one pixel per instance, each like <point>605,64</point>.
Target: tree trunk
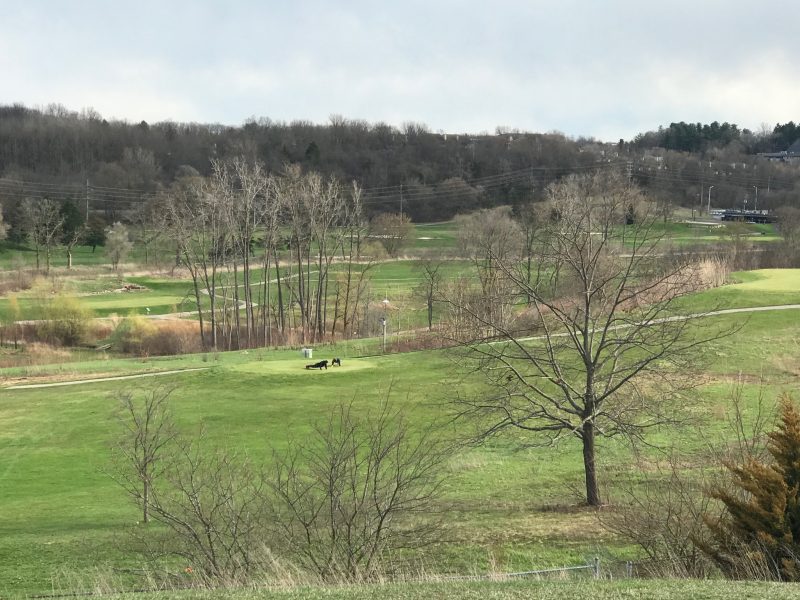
<point>430,313</point>
<point>282,319</point>
<point>200,312</point>
<point>145,501</point>
<point>237,319</point>
<point>592,491</point>
<point>69,258</point>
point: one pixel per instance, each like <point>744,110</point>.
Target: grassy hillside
<point>506,505</point>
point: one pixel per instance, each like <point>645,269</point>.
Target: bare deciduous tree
<point>43,221</point>
<point>351,286</point>
<point>3,225</point>
<point>73,228</point>
<point>118,244</point>
<point>361,489</point>
<point>428,289</point>
<point>212,503</point>
<point>149,223</point>
<point>489,238</point>
<point>531,218</point>
<point>143,450</point>
<point>610,334</point>
<point>392,230</point>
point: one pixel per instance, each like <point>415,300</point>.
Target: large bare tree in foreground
<point>597,352</point>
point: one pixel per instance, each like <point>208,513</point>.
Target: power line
<point>648,175</point>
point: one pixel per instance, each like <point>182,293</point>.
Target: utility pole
<point>87,200</point>
<point>401,199</point>
<point>699,204</point>
<point>709,199</point>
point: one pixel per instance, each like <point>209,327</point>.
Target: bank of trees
<point>700,137</point>
<point>260,249</point>
<point>119,167</point>
<point>117,164</point>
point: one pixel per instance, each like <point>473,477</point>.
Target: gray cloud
<point>608,69</point>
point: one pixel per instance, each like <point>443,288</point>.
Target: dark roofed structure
<point>791,153</point>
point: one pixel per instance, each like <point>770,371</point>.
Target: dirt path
<point>31,386</point>
<point>675,319</point>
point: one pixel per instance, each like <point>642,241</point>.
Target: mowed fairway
<point>503,504</point>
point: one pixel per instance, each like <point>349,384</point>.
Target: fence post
<point>597,567</point>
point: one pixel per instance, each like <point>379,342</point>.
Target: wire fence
<point>592,567</point>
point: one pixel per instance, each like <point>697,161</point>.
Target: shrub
<point>138,335</point>
<point>64,321</point>
<point>358,492</point>
<point>759,534</point>
<point>131,333</point>
<point>172,337</point>
<point>392,231</point>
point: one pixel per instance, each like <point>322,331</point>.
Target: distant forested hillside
<point>57,153</point>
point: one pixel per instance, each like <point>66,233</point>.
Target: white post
<point>709,200</point>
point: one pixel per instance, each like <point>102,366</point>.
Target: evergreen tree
<point>759,533</point>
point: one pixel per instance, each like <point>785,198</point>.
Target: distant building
<point>792,153</point>
<point>747,216</point>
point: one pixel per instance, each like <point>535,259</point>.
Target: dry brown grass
<point>155,337</point>
<point>788,364</point>
<point>35,353</point>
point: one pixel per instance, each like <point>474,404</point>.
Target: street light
<point>709,199</point>
<point>385,303</point>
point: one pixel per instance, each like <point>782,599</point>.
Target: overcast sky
<point>606,68</point>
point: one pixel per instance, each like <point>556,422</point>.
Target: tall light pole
<point>385,303</point>
<point>708,210</point>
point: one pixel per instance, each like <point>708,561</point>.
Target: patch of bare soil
<point>131,287</point>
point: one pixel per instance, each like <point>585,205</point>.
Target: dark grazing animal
<point>323,364</point>
<point>336,362</point>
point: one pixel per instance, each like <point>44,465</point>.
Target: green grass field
<point>94,282</point>
<point>395,280</point>
<point>504,505</point>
